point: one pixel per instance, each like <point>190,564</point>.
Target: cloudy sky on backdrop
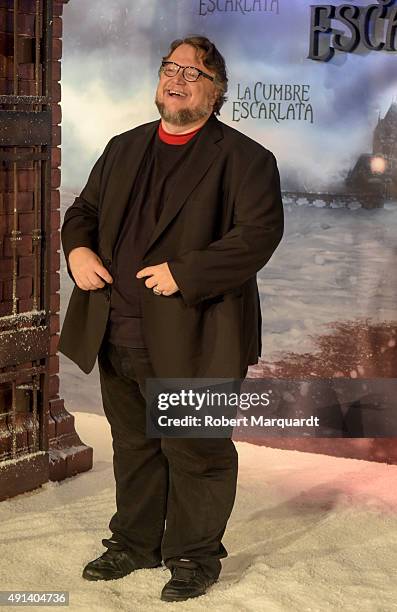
<point>112,50</point>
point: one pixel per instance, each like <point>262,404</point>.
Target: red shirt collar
<point>176,139</point>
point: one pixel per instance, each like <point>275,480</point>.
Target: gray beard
<point>185,116</point>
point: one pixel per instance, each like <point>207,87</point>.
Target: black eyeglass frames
<point>189,73</point>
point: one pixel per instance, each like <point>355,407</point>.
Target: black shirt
<point>149,193</point>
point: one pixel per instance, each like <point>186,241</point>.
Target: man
<point>164,244</point>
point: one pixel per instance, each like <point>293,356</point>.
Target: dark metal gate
<point>25,192</point>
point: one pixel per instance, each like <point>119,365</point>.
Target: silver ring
<point>156,291</point>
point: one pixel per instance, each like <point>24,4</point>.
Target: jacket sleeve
<point>80,224</point>
<point>258,227</point>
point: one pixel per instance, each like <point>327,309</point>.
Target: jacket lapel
<point>123,175</point>
<point>199,161</point>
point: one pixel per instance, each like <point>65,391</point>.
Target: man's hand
<point>87,269</point>
<point>161,276</point>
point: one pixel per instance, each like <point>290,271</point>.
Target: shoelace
<point>119,560</point>
<point>183,573</point>
<point>110,553</point>
<point>114,557</point>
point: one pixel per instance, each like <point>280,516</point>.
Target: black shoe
<point>114,563</point>
<point>186,582</point>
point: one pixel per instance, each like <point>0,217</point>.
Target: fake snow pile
<point>308,533</point>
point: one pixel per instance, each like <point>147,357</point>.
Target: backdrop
<point>329,292</point>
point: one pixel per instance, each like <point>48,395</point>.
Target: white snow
<point>307,533</point>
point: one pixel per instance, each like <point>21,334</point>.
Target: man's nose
<point>178,78</point>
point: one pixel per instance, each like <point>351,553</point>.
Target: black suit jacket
<point>220,225</point>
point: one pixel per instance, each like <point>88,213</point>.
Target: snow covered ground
<point>307,533</point>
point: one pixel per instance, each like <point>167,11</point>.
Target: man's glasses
<point>189,73</point>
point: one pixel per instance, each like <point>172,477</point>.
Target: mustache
<point>183,116</point>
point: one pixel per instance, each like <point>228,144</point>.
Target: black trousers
<point>174,496</point>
